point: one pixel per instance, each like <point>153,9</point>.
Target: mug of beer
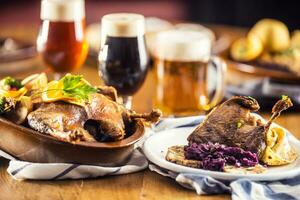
<point>61,39</point>
<point>182,60</point>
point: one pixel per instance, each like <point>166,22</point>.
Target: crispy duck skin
<point>102,119</point>
<point>61,120</point>
<point>232,124</point>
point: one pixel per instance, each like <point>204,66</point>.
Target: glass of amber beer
<point>182,60</point>
<point>61,39</point>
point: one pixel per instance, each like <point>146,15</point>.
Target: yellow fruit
<point>273,33</point>
<point>17,94</point>
<point>246,49</point>
<point>54,92</point>
<point>35,81</point>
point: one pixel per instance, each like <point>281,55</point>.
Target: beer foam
<point>182,45</point>
<point>62,10</point>
<point>123,25</point>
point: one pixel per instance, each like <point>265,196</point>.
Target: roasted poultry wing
<point>232,124</point>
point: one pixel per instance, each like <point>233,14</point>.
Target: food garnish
<point>35,83</point>
<point>12,83</point>
<point>71,88</point>
<point>240,123</point>
<point>75,86</point>
<point>12,88</point>
<point>284,97</point>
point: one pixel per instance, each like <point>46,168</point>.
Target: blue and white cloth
<point>241,189</point>
<point>57,171</point>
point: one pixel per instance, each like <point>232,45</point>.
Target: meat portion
<point>102,119</point>
<point>61,120</point>
<point>108,114</point>
<point>232,124</point>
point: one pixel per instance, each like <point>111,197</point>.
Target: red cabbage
<point>215,156</point>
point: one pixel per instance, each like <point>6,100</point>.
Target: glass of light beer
<point>182,60</point>
<point>61,40</point>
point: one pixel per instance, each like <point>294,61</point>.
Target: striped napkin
<point>241,189</point>
<point>57,171</point>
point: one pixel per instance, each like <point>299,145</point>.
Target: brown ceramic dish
<point>29,145</point>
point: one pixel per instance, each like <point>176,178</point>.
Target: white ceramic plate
<point>155,149</point>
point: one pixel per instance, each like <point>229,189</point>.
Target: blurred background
<point>228,20</point>
<point>231,12</point>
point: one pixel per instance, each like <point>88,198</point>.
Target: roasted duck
<point>232,139</point>
<point>102,119</point>
<point>232,124</point>
<point>71,109</point>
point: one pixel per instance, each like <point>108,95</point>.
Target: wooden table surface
<point>141,185</point>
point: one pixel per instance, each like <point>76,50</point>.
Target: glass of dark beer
<point>123,57</point>
<point>61,39</point>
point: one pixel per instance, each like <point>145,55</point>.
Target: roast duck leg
<point>102,119</point>
<point>232,124</point>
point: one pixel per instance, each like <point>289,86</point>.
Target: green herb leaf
<point>74,86</point>
<point>13,83</point>
<point>251,98</point>
<point>240,123</point>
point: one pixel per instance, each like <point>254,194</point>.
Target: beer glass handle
<point>221,68</point>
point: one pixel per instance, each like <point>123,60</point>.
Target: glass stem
<point>127,101</point>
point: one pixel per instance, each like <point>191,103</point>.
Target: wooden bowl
<point>29,145</point>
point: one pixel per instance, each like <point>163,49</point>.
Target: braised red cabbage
<point>215,156</point>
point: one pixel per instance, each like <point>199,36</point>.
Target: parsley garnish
<point>74,86</point>
<point>13,83</point>
<point>251,98</point>
<point>240,123</point>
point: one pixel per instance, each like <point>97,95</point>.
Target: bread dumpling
<point>273,33</point>
<point>278,150</point>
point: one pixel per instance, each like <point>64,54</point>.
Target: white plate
<point>155,149</point>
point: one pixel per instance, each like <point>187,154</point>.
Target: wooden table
<point>141,185</point>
